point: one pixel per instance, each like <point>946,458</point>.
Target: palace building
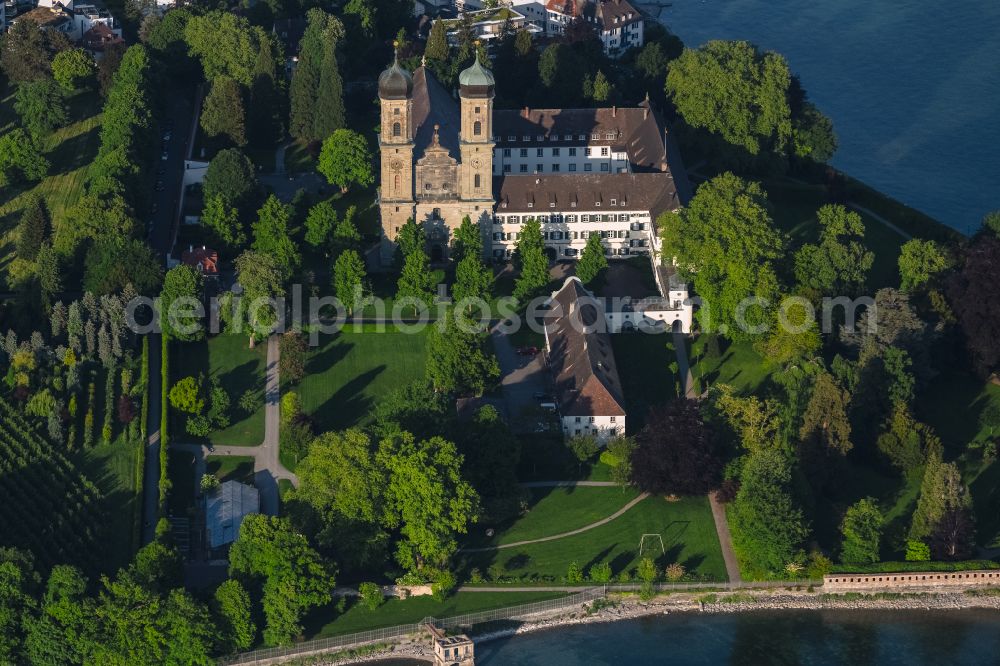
<point>609,171</point>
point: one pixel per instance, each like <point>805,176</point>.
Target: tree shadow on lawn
<point>332,352</point>
<point>597,559</point>
<point>74,152</point>
<point>349,406</point>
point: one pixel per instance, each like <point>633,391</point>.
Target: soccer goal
<point>654,539</point>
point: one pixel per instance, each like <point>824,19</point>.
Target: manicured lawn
<point>70,150</point>
<point>686,528</point>
<point>555,510</point>
<point>737,365</point>
<point>952,394</point>
<point>350,372</point>
<point>239,369</point>
<point>180,469</point>
<point>114,469</point>
<point>545,457</point>
<point>408,611</point>
<point>644,367</point>
<point>230,468</point>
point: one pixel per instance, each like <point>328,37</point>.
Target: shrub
<point>209,482</point>
<point>917,551</point>
<point>495,571</point>
<point>647,570</point>
<point>475,576</point>
<point>600,573</point>
<point>371,595</point>
<point>443,586</point>
<point>574,574</point>
<point>675,572</point>
<point>818,566</point>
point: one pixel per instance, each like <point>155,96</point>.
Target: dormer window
<point>597,203</point>
<point>614,202</point>
<point>531,205</point>
<point>595,136</point>
<point>583,137</point>
<point>527,138</point>
<point>540,138</point>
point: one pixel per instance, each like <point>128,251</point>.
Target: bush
<point>647,570</point>
<point>443,586</point>
<point>917,551</point>
<point>675,572</point>
<point>475,576</point>
<point>495,571</point>
<point>600,573</point>
<point>574,574</point>
<point>209,482</point>
<point>371,595</point>
<point>584,447</point>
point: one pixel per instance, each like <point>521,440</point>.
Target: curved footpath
<point>586,528</point>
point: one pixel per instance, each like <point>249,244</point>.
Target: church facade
<point>580,172</point>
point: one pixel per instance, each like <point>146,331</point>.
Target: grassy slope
<point>239,368</point>
<point>555,510</point>
<point>69,150</point>
<point>397,611</point>
<point>349,373</point>
<point>686,527</point>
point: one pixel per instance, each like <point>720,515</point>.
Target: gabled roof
<point>225,510</point>
<point>590,192</point>
<point>580,355</point>
<point>433,106</point>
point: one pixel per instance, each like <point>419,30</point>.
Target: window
<point>540,168</point>
<point>613,419</point>
<point>524,152</point>
<point>506,152</point>
<point>397,129</point>
<point>511,138</point>
<point>578,419</point>
<point>609,136</point>
<point>477,128</point>
<point>604,152</point>
<point>588,167</point>
<point>524,168</point>
<point>506,168</point>
<point>555,168</point>
<point>590,152</point>
<point>540,152</point>
<point>568,137</point>
<point>583,137</point>
<point>479,181</point>
<point>395,183</point>
<point>593,419</point>
<point>527,138</point>
<point>572,167</point>
<point>540,138</point>
<point>478,109</point>
<point>514,219</point>
<point>572,152</point>
<point>595,136</point>
<point>395,111</point>
<point>604,167</point>
<point>614,202</point>
<point>585,218</point>
<point>555,152</point>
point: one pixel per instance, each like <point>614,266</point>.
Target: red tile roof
<point>202,259</point>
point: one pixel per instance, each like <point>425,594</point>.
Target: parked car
<point>159,186</point>
<point>166,136</point>
<point>165,155</point>
<point>544,397</point>
<point>549,406</point>
<point>527,351</point>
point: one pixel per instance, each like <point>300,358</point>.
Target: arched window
<point>477,128</point>
<point>395,184</point>
<point>479,181</point>
<point>397,129</point>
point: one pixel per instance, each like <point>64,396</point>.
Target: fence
<point>388,633</point>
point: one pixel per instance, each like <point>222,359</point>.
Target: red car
<point>527,351</point>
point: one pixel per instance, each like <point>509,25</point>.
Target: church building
<point>607,171</point>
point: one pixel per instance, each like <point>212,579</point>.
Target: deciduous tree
<point>271,236</point>
<point>862,530</point>
<point>920,261</point>
<point>72,68</point>
<point>592,261</point>
<point>531,260</point>
<point>348,278</point>
<point>178,319</point>
<point>839,264</point>
<point>675,452</point>
<point>727,236</point>
<point>41,105</point>
<point>222,112</point>
<point>346,160</point>
<point>458,359</point>
<point>20,158</point>
<point>974,293</point>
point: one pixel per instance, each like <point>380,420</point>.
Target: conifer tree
<point>223,112</point>
<point>265,121</point>
<point>33,228</point>
<point>533,263</point>
<point>592,261</point>
<point>330,115</point>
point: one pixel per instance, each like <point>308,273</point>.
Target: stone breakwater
<point>628,607</point>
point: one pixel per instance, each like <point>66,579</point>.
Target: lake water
<point>912,86</point>
<point>800,638</point>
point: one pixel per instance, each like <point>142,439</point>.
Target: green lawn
<point>545,457</point>
<point>70,150</point>
<point>737,365</point>
<point>408,611</point>
<point>955,393</point>
<point>349,373</point>
<point>113,467</point>
<point>230,468</point>
<point>555,510</point>
<point>180,470</point>
<point>644,367</point>
<point>239,369</point>
<point>686,527</point>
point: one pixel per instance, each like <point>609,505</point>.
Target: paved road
<point>587,528</point>
<point>268,469</point>
<point>522,378</point>
<point>876,216</point>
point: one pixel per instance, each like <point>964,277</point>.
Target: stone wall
<point>905,580</point>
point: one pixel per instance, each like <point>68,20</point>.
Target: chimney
<point>645,112</point>
<point>526,112</point>
<point>614,112</point>
<point>190,248</point>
